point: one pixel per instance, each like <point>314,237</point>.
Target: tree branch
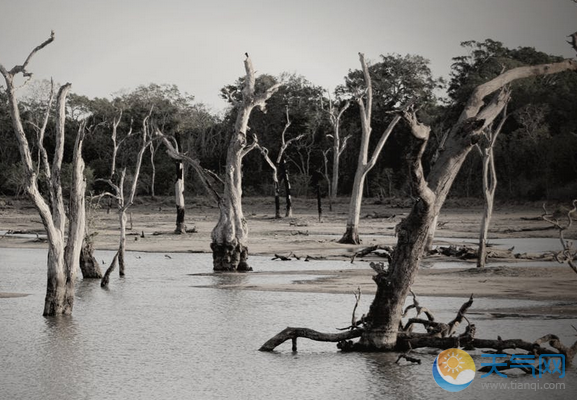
<point>294,333</point>
<point>22,68</point>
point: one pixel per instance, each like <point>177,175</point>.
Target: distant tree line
<point>535,155</point>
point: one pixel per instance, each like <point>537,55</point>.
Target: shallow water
<point>156,335</point>
<point>519,245</point>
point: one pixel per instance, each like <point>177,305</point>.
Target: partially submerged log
<point>295,333</point>
<point>471,252</point>
<point>439,335</point>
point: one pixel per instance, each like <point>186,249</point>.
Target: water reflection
<point>60,356</point>
<point>227,279</point>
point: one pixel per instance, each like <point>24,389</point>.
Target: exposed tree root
<point>439,335</point>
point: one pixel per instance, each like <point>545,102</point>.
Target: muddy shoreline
<point>153,224</point>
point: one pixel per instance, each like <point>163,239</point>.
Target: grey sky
<point>108,45</point>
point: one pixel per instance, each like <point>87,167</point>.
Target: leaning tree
<point>381,329</point>
<point>64,243</point>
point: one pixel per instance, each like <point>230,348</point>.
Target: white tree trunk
<point>364,164</point>
<point>62,263</point>
<point>230,235</point>
<point>473,119</point>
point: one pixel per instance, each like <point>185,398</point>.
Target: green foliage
<point>535,153</point>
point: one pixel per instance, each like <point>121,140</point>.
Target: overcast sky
<point>104,46</point>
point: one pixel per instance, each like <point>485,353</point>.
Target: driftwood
<point>533,229</point>
<point>313,258</point>
<point>288,257</point>
<point>471,253</point>
<point>384,251</point>
<point>439,335</point>
<point>376,215</point>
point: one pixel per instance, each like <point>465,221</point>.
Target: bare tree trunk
<point>287,189</point>
<point>88,265</point>
<point>122,243</point>
<point>62,262</point>
<point>319,202</point>
<point>335,115</point>
<point>393,284</point>
<point>351,235</point>
<point>279,164</point>
<point>230,235</point>
<point>153,176</point>
<point>179,191</point>
<point>327,178</point>
<point>486,147</point>
<point>122,203</point>
<point>364,164</point>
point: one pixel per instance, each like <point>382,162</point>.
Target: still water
<point>158,334</point>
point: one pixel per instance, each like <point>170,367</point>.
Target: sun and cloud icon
<point>453,370</point>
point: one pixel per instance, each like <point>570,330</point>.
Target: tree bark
<point>179,191</point>
<point>393,284</point>
<point>62,262</point>
<point>122,241</point>
<point>230,235</point>
<point>88,265</point>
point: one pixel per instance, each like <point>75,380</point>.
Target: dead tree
<point>152,148</point>
<point>277,165</point>
<point>117,183</point>
<point>485,147</point>
<point>230,235</point>
<point>458,146</point>
<point>63,255</point>
<point>325,174</point>
<point>380,330</point>
<point>364,164</point>
<point>335,115</point>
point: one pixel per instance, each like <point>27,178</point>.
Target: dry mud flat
<point>153,223</point>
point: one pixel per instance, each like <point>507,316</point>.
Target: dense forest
<point>535,155</point>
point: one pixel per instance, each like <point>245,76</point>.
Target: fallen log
<point>439,335</point>
<point>381,251</point>
<point>294,333</point>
